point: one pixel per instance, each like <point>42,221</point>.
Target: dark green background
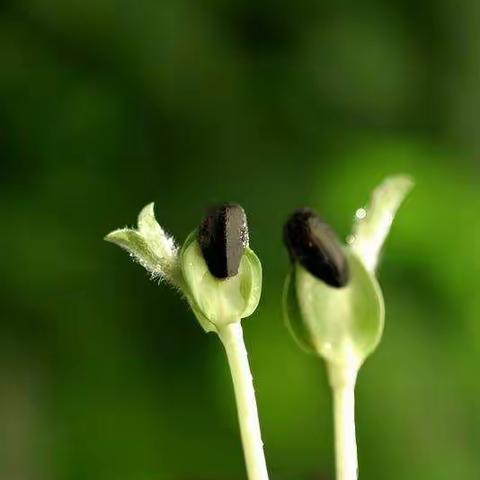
<point>107,105</point>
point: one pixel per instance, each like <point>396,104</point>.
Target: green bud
<point>343,325</point>
<point>220,301</point>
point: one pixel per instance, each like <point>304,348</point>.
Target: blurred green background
<point>107,105</point>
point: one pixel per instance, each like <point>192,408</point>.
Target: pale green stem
<point>342,380</point>
<point>231,336</point>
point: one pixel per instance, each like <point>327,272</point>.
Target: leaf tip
<point>400,182</point>
<point>113,236</point>
<point>147,212</point>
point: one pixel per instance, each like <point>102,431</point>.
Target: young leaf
<point>136,245</point>
<point>150,246</point>
<point>154,234</point>
<point>373,223</point>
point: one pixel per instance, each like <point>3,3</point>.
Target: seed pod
<point>313,243</point>
<point>223,237</point>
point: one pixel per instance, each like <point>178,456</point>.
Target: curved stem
<point>342,381</point>
<point>231,336</point>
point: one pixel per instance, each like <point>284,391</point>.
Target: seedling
<point>221,279</point>
<point>333,303</point>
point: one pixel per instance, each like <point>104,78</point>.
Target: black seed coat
<point>223,236</point>
<point>313,243</point>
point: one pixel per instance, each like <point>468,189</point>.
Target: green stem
<point>231,336</point>
<point>342,380</point>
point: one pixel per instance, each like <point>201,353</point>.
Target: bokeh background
<point>107,105</point>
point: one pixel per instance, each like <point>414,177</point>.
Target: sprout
<point>333,303</point>
<point>222,275</point>
<point>221,279</point>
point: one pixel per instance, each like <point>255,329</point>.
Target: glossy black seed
<point>223,236</point>
<point>313,243</point>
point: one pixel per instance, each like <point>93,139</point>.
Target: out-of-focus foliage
<point>108,105</point>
